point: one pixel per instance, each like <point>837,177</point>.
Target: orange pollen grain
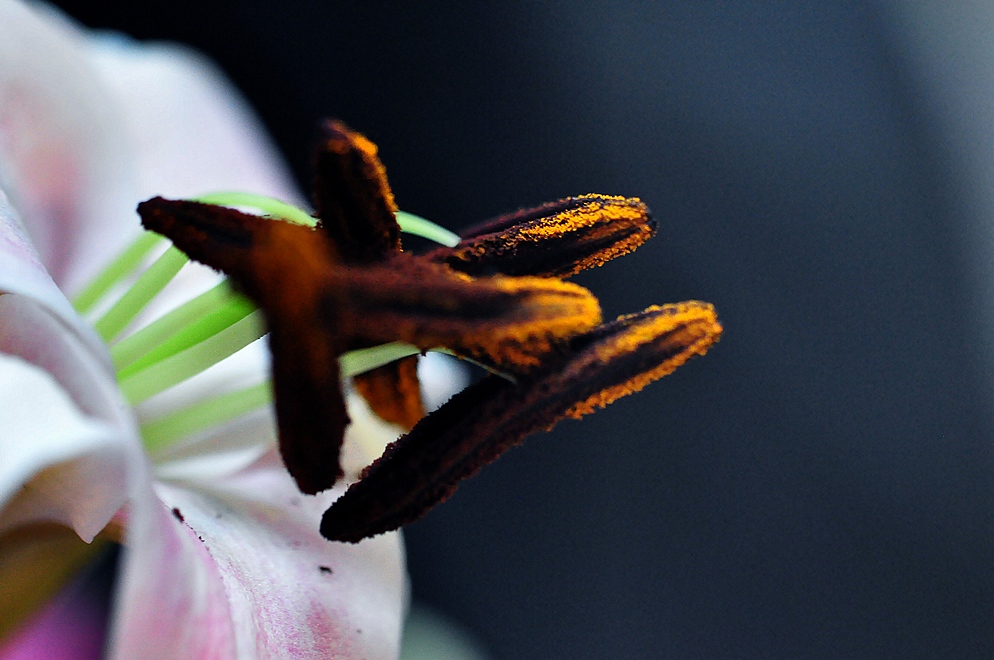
<point>690,329</point>
<point>369,153</point>
<point>600,218</point>
<point>551,311</point>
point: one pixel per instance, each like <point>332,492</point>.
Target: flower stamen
<point>206,329</point>
<point>147,286</point>
<point>186,364</point>
<point>170,428</point>
<point>496,296</point>
<point>141,344</point>
<point>331,289</point>
<point>116,271</point>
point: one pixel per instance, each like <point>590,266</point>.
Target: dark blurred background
<point>822,483</point>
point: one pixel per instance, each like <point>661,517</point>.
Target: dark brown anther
<point>393,392</point>
<point>357,211</point>
<point>266,259</point>
<point>424,467</point>
<point>310,408</point>
<point>283,267</point>
<point>507,321</point>
<point>558,239</point>
<point>317,308</point>
<point>352,196</point>
<point>495,298</point>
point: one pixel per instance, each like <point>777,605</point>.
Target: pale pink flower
<point>89,126</point>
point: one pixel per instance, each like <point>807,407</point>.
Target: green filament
<point>150,283</point>
<point>200,330</point>
<point>167,429</point>
<point>206,329</point>
<point>135,346</point>
<point>173,370</point>
<point>119,269</point>
<point>267,205</point>
<point>418,226</point>
<point>408,222</point>
<point>367,359</point>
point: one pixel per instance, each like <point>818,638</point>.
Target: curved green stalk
<point>409,223</point>
<point>267,205</point>
<point>136,345</point>
<point>188,363</point>
<point>120,268</point>
<point>418,226</point>
<point>148,285</point>
<point>177,425</point>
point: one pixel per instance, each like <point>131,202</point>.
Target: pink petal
<point>170,600</point>
<point>291,592</point>
<point>91,125</point>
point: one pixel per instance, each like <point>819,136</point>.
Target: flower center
<point>203,331</point>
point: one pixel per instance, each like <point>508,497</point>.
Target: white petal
<point>192,133</point>
<point>441,376</point>
<point>365,437</point>
<point>75,449</point>
<point>190,130</point>
<point>29,331</point>
<point>21,272</point>
<point>260,536</point>
<point>64,163</point>
<point>56,463</point>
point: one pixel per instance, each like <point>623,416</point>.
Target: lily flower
<point>222,554</point>
<point>341,282</point>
